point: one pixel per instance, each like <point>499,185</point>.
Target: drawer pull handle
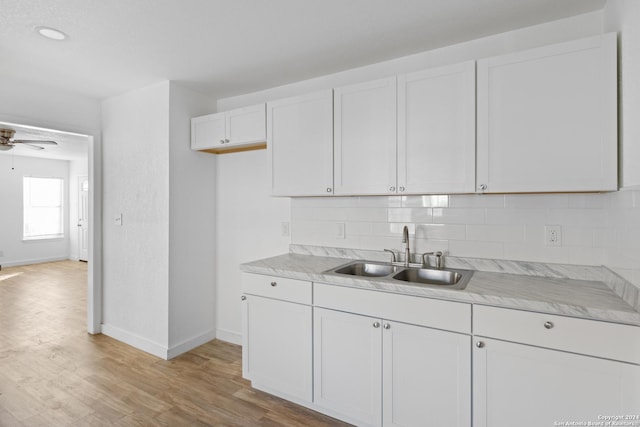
<point>274,283</point>
<point>376,324</point>
<point>243,297</point>
<point>548,325</point>
<point>387,326</point>
<point>479,344</point>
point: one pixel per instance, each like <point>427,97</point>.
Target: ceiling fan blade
<point>29,145</point>
<point>5,147</point>
<point>33,141</point>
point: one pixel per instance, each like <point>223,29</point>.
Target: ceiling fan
<point>6,143</point>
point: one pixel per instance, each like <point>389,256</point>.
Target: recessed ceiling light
<point>51,33</point>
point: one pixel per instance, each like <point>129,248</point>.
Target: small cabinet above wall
<point>547,119</point>
<point>241,129</point>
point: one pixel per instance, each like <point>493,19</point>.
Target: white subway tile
<point>527,252</point>
<point>431,201</point>
<point>378,243</point>
<point>623,199</point>
<point>536,201</point>
<point>496,233</point>
<point>359,228</point>
<point>471,249</point>
<point>577,236</point>
<point>576,217</point>
<point>587,201</point>
<point>516,216</point>
<point>421,246</point>
<point>476,201</point>
<point>586,256</point>
<point>441,231</point>
<point>379,201</point>
<point>423,215</point>
<point>458,216</point>
<point>367,214</point>
<point>391,229</point>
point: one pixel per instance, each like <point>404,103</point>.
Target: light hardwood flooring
<point>52,373</point>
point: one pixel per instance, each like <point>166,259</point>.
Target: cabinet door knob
<point>387,326</point>
<point>222,141</point>
<point>329,189</point>
<point>226,141</point>
<point>274,283</point>
<point>376,324</point>
<point>243,297</point>
<point>479,344</point>
<point>483,187</point>
<point>392,189</point>
<point>401,189</point>
<point>548,325</point>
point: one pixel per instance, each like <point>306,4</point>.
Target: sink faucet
<point>405,240</point>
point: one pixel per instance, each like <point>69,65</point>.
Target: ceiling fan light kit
<point>7,143</point>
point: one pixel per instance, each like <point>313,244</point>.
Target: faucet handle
<point>393,254</point>
<point>425,259</point>
<point>439,260</point>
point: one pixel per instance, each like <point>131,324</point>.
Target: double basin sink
<point>448,278</point>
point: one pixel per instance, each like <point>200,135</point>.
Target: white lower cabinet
<point>277,337</point>
<point>520,383</point>
<point>371,372</point>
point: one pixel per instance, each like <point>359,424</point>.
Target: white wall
<point>136,185</point>
<point>77,169</point>
<point>243,177</point>
<point>192,227</point>
<point>248,227</point>
<point>15,250</point>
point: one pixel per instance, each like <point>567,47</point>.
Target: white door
<point>208,131</point>
<point>348,366</point>
<point>365,138</point>
<point>276,351</point>
<point>300,145</point>
<point>427,377</point>
<point>437,130</point>
<point>515,384</point>
<point>246,125</point>
<point>547,118</point>
<point>83,218</point>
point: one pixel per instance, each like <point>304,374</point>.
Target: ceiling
<point>70,146</point>
<point>231,47</point>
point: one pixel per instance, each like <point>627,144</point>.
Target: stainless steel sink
<point>449,278</point>
<point>367,269</point>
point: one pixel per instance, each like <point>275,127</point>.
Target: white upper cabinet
<point>230,130</point>
<point>300,145</point>
<point>365,138</point>
<point>436,130</point>
<point>547,118</point>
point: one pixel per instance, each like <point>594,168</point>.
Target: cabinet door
<point>246,125</point>
<point>427,377</point>
<point>516,384</point>
<point>365,138</point>
<point>300,145</point>
<point>277,347</point>
<point>208,131</point>
<point>348,366</point>
<point>436,130</point>
<point>547,118</point>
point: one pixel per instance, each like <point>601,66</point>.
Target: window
<point>43,204</point>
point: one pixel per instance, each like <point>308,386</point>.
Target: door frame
<point>80,191</point>
<point>94,268</point>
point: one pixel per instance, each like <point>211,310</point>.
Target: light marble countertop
<point>569,291</point>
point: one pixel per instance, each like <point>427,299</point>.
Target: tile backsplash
<point>596,229</point>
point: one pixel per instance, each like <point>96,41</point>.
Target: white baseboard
<point>190,344</point>
<point>32,261</point>
<point>135,341</point>
<point>229,336</point>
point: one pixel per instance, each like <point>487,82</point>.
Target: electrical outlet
<point>553,235</point>
<point>284,229</point>
<point>340,230</point>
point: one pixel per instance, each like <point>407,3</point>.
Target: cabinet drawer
<point>590,337</point>
<point>277,287</point>
<point>433,313</point>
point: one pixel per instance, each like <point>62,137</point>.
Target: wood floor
<point>52,373</point>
